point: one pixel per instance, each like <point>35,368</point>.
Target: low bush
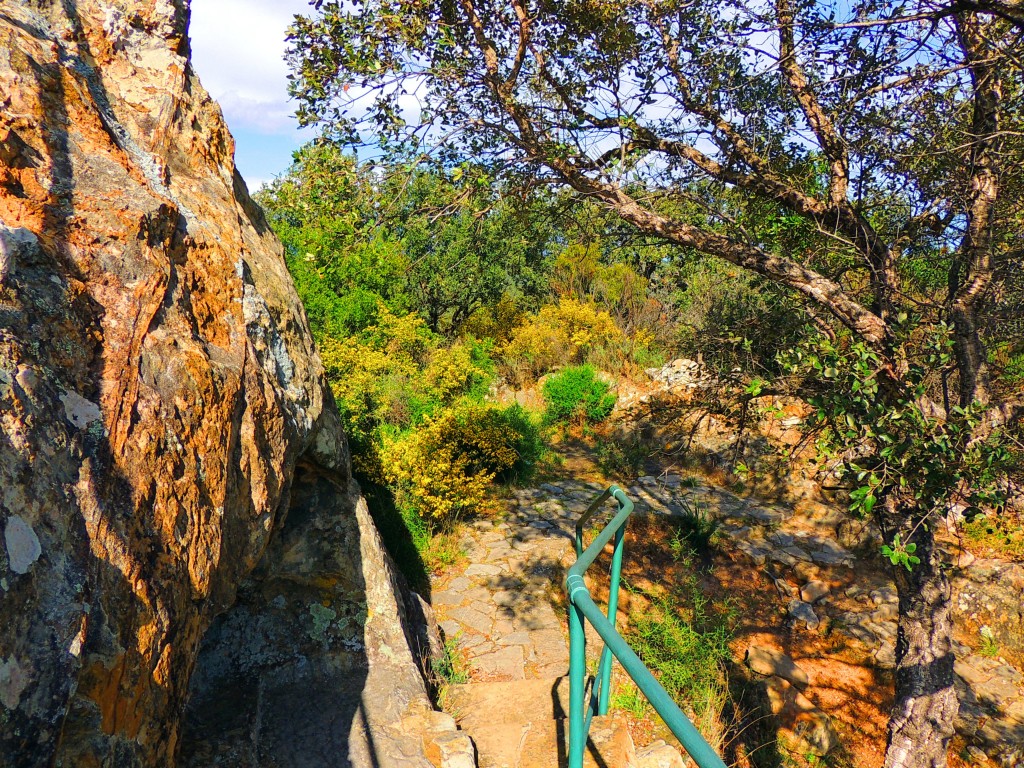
<point>577,395</point>
<point>393,375</point>
<point>696,531</point>
<point>443,468</point>
<point>623,461</point>
<point>569,331</point>
<point>686,645</point>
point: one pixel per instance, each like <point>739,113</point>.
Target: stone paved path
<point>501,605</point>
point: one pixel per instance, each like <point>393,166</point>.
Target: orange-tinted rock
<point>158,382</point>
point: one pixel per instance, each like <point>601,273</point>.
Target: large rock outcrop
<point>159,389</point>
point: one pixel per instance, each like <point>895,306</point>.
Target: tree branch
<point>973,268</point>
<point>831,142</point>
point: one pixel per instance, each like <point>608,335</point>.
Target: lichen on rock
<point>159,388</point>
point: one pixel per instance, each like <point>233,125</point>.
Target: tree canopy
<point>866,157</point>
<point>440,244</point>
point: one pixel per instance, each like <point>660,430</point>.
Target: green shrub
<point>686,645</point>
<point>528,443</point>
<point>696,531</point>
<point>394,375</point>
<point>622,460</point>
<point>576,394</point>
<point>569,331</point>
<point>443,468</point>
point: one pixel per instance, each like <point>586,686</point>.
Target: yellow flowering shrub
<point>443,468</point>
<point>392,375</point>
<point>559,334</point>
<point>451,371</point>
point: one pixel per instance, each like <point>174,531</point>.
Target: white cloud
<point>238,50</point>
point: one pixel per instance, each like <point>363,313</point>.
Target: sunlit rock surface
<point>158,389</point>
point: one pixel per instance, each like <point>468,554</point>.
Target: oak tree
<point>890,130</point>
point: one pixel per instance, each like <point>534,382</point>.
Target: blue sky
<point>238,49</point>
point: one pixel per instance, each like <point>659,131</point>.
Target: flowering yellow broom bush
<point>559,334</point>
<point>443,468</point>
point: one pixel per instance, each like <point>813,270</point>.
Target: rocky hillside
<point>168,446</point>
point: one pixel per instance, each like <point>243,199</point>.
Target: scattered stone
<point>761,515</point>
<point>551,488</point>
<point>798,553</point>
<point>769,662</point>
<point>781,539</point>
<point>23,546</point>
<point>805,728</point>
<point>970,674</point>
<point>815,733</point>
<point>451,628</point>
<point>813,591</point>
<point>457,750</point>
<point>885,611</point>
<point>884,595</point>
<point>757,554</point>
<point>997,691</point>
<point>807,571</point>
<point>885,657</point>
<point>977,754</point>
<point>782,557</point>
<point>802,611</point>
<point>659,755</point>
<point>785,588</point>
<point>828,557</point>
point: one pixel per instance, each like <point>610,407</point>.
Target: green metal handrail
<point>582,606</point>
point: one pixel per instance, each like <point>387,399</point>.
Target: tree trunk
<point>921,724</point>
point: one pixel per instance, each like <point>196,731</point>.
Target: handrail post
<point>583,608</point>
<point>577,683</point>
<point>613,607</point>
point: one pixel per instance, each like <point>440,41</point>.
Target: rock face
<point>158,390</point>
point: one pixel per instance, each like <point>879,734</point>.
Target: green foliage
<point>577,395</point>
<point>360,236</point>
<point>628,698</point>
<point>903,460</point>
<point>732,318</point>
<point>989,646</point>
<point>392,375</point>
<point>451,668</point>
<point>696,530</point>
<point>443,468</point>
<point>623,460</point>
<point>686,645</point>
<point>570,331</point>
<point>900,553</point>
<point>1001,535</point>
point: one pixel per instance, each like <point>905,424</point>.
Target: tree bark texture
<point>921,724</point>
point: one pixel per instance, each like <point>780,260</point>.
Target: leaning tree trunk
<point>921,724</point>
